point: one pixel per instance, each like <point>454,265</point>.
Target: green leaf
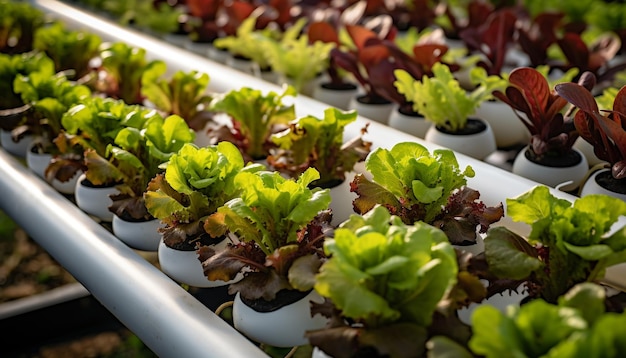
<point>591,252</point>
<point>382,271</point>
<point>509,255</point>
<point>439,98</point>
<point>199,179</point>
<point>413,182</point>
<point>256,114</point>
<point>302,272</point>
<point>534,205</point>
<point>444,347</point>
<point>586,297</point>
<point>495,335</point>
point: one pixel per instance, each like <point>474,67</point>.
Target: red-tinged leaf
<point>204,9</point>
<point>322,31</point>
<point>464,214</point>
<point>575,50</point>
<point>429,54</point>
<point>215,224</point>
<point>616,133</point>
<point>619,104</point>
<point>282,8</point>
<point>360,35</point>
<point>339,342</point>
<point>179,233</point>
<point>515,98</point>
<point>369,194</point>
<point>282,258</point>
<point>100,170</point>
<point>240,10</point>
<point>535,90</point>
<point>302,272</point>
<point>371,55</point>
<point>604,49</point>
<point>478,12</point>
<point>577,95</point>
<point>260,285</point>
<point>225,264</point>
<point>584,124</point>
<point>556,104</point>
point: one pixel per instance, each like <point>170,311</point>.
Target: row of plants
<point>421,72</point>
<point>410,207</point>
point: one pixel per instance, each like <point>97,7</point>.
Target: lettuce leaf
<point>576,326</point>
<point>382,271</point>
<point>572,241</point>
<point>255,116</point>
<point>319,143</point>
<point>439,98</point>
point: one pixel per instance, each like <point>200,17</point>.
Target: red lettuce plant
<point>418,63</point>
<point>473,16</point>
<point>535,37</point>
<point>592,58</point>
<point>492,39</point>
<point>530,94</point>
<point>604,130</point>
<point>368,52</point>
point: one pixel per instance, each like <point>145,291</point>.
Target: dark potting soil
<point>339,86</point>
<point>366,99</point>
<point>407,111</point>
<point>126,217</point>
<point>473,126</point>
<point>89,184</point>
<point>606,180</point>
<point>569,159</point>
<point>283,298</point>
<point>204,239</point>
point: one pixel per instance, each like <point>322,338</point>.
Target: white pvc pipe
<point>168,319</point>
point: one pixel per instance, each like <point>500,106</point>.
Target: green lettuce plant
<point>575,326</point>
<point>297,59</point>
<point>184,94</point>
<point>249,43</point>
<point>92,124</point>
<point>134,158</point>
<point>196,182</point>
<point>50,97</point>
<point>383,280</point>
<point>582,323</point>
<point>20,64</point>
<point>17,114</point>
<point>440,98</point>
<point>569,243</point>
<point>159,18</point>
<point>69,49</point>
<point>121,71</point>
<point>311,142</point>
<point>255,117</point>
<point>416,185</point>
<point>280,227</point>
